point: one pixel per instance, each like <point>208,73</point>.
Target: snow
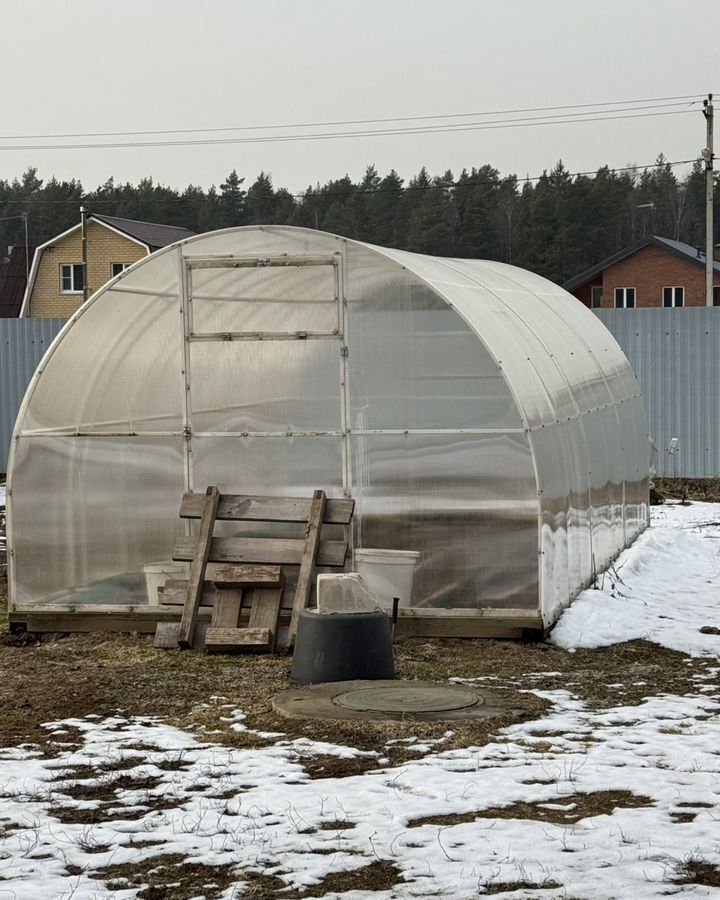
<point>663,588</point>
<point>2,496</point>
<point>258,809</point>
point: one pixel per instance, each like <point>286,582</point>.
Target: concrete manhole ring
<point>407,697</point>
<point>363,700</point>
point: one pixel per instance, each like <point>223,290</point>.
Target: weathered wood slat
<point>226,612</point>
<point>166,636</point>
<point>248,576</point>
<point>265,612</point>
<point>307,566</point>
<point>199,559</point>
<point>241,507</point>
<point>225,640</point>
<point>175,589</point>
<point>175,592</point>
<point>282,551</point>
<point>461,623</point>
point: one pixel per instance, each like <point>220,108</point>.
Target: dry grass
<point>706,489</point>
<point>104,674</point>
<point>170,877</point>
<point>557,812</point>
<point>695,871</point>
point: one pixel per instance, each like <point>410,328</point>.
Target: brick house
<point>55,287</point>
<point>654,271</point>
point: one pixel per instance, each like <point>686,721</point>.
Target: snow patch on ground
<point>664,588</point>
<point>259,810</point>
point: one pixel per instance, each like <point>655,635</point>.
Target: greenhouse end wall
<point>277,361</point>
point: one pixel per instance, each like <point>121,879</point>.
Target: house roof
<point>686,251</point>
<point>12,288</point>
<point>150,233</point>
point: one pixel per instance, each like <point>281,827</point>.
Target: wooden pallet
<point>249,565</point>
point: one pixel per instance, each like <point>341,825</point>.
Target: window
<point>596,296</point>
<point>673,296</point>
<point>117,268</point>
<point>716,295</point>
<point>624,298</point>
<point>71,279</point>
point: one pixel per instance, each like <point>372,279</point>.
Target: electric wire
<point>321,136</point>
<point>694,98</point>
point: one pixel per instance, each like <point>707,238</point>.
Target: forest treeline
<point>555,225</point>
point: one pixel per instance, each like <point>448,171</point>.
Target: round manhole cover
<point>407,698</point>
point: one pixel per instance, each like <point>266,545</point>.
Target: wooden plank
<point>248,576</point>
<point>265,612</point>
<point>282,551</point>
<point>199,557</point>
<point>338,511</point>
<point>226,612</point>
<point>226,640</point>
<point>175,593</point>
<point>307,566</point>
<point>166,636</point>
<point>144,620</point>
<point>230,576</point>
<point>512,618</point>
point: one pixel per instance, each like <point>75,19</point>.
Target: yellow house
<point>56,283</point>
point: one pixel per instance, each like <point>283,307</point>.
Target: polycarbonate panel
<point>247,386</point>
<point>467,503</point>
<point>268,299</point>
<point>118,368</point>
<point>273,466</point>
<point>89,513</point>
<point>416,366</point>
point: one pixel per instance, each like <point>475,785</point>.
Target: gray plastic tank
<point>342,647</point>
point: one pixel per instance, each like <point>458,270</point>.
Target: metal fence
<point>675,354</point>
<point>23,343</point>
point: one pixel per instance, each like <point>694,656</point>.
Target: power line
<point>695,98</point>
<point>428,129</point>
<point>352,190</point>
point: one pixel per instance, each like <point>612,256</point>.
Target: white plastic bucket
<point>388,573</point>
<point>156,574</point>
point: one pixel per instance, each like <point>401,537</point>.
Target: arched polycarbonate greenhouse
<point>476,413</point>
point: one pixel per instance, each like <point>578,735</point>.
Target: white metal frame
<point>624,296</point>
<point>674,288</point>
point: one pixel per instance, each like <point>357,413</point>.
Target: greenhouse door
<point>265,360</point>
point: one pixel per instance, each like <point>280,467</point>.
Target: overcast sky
<point>80,66</point>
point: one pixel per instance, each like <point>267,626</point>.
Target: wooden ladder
<point>249,564</point>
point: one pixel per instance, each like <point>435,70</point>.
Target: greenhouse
<point>476,413</point>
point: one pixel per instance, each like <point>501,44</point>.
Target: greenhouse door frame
<point>337,260</point>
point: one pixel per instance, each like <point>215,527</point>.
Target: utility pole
<point>27,250</point>
<point>83,238</point>
<point>707,155</point>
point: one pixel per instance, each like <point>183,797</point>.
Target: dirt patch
<point>169,877</point>
<point>562,811</point>
<point>106,789</point>
<point>327,766</point>
<point>697,872</point>
<point>337,825</point>
<point>500,887</point>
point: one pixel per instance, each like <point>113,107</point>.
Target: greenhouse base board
<point>483,623</point>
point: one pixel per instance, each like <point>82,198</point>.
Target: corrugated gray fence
<point>23,343</point>
<point>675,354</point>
